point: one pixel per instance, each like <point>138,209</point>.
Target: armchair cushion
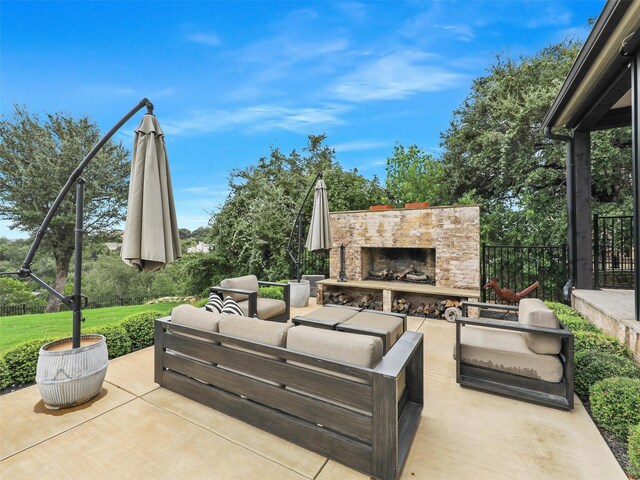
<point>267,307</point>
<point>533,311</point>
<point>507,351</point>
<point>248,282</point>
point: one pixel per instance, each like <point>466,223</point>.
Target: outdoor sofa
<point>244,290</point>
<point>331,392</point>
<point>529,357</point>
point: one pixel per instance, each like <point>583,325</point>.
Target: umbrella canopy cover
<point>319,237</point>
<point>151,233</point>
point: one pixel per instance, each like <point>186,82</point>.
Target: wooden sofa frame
<point>557,395</point>
<point>374,439</point>
<point>253,299</point>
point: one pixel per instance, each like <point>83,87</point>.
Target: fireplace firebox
<point>415,265</point>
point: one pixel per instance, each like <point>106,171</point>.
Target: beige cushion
<point>190,316</point>
<point>360,350</point>
<point>507,351</point>
<point>377,321</point>
<point>267,307</point>
<point>248,282</point>
<point>254,330</point>
<point>533,311</point>
<point>331,314</point>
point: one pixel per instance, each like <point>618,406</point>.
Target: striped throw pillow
<point>230,306</point>
<point>214,304</point>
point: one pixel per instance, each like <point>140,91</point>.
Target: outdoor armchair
<point>244,290</point>
<point>529,359</point>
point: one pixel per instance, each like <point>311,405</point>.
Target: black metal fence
<point>6,310</point>
<point>613,254</point>
<point>517,267</point>
<point>312,263</point>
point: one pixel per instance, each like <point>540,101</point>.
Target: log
<point>366,300</point>
<point>420,308</point>
<point>417,278</point>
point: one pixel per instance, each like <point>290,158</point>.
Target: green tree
<point>414,176</point>
<point>36,159</point>
<point>15,292</point>
<point>496,154</point>
<point>251,230</point>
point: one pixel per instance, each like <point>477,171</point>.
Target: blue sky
<point>231,79</point>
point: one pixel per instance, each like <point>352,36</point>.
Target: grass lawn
<point>20,328</point>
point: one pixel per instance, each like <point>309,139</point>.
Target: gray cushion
<point>190,316</point>
<point>533,311</point>
<point>331,314</point>
<point>248,282</point>
<point>380,322</point>
<point>507,351</point>
<point>360,350</point>
<point>267,307</point>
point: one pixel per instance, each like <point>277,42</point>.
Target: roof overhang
<point>596,92</point>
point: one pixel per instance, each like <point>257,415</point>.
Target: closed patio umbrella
<point>319,237</point>
<point>151,233</point>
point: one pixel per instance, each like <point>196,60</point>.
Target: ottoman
<point>386,325</point>
<point>326,317</point>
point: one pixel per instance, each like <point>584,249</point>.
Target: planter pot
<point>313,288</point>
<point>376,208</point>
<point>417,205</point>
<point>69,376</point>
<point>299,293</point>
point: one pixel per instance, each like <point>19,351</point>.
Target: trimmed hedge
<point>118,342</point>
<point>634,451</point>
<point>561,308</point>
<point>615,404</point>
<point>5,375</point>
<point>140,328</point>
<point>592,366</point>
<point>599,342</point>
<point>23,360</point>
<point>576,323</point>
<point>276,293</point>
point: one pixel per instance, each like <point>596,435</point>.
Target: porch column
<point>583,229</point>
<point>635,167</point>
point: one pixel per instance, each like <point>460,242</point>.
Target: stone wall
<point>454,232</point>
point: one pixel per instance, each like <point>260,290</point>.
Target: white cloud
<point>395,76</point>
<point>359,145</point>
<point>463,33</point>
<point>209,39</point>
<point>258,117</point>
<point>553,15</point>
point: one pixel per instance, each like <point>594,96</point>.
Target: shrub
<point>615,404</point>
<point>576,323</point>
<point>561,308</point>
<point>140,328</point>
<point>592,366</point>
<point>634,451</point>
<point>201,303</point>
<point>23,360</point>
<point>272,292</point>
<point>5,374</point>
<point>118,342</point>
<point>599,342</point>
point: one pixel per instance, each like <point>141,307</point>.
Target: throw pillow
<point>230,306</point>
<point>214,304</point>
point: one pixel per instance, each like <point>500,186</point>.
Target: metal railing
<point>613,254</point>
<point>517,267</point>
<point>24,309</point>
<point>312,263</point>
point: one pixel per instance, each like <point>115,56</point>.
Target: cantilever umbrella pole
<point>25,270</point>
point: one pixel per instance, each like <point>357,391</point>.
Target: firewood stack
<point>435,309</point>
<point>363,301</point>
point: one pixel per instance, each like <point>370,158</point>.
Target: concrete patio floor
<point>135,429</point>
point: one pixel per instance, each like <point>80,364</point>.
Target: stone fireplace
<point>442,242</point>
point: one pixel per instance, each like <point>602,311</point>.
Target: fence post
<point>596,251</point>
<point>483,273</point>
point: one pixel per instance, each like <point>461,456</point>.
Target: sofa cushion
<point>507,351</point>
<point>267,307</point>
<point>248,282</point>
<point>533,311</point>
<point>354,349</point>
<point>231,307</point>
<point>332,314</point>
<point>194,317</point>
<point>377,321</point>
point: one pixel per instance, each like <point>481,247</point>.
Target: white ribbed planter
<point>69,376</point>
<point>299,293</point>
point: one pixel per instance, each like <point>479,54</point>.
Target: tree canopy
<point>36,158</point>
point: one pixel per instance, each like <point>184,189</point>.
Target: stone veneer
<point>454,232</point>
